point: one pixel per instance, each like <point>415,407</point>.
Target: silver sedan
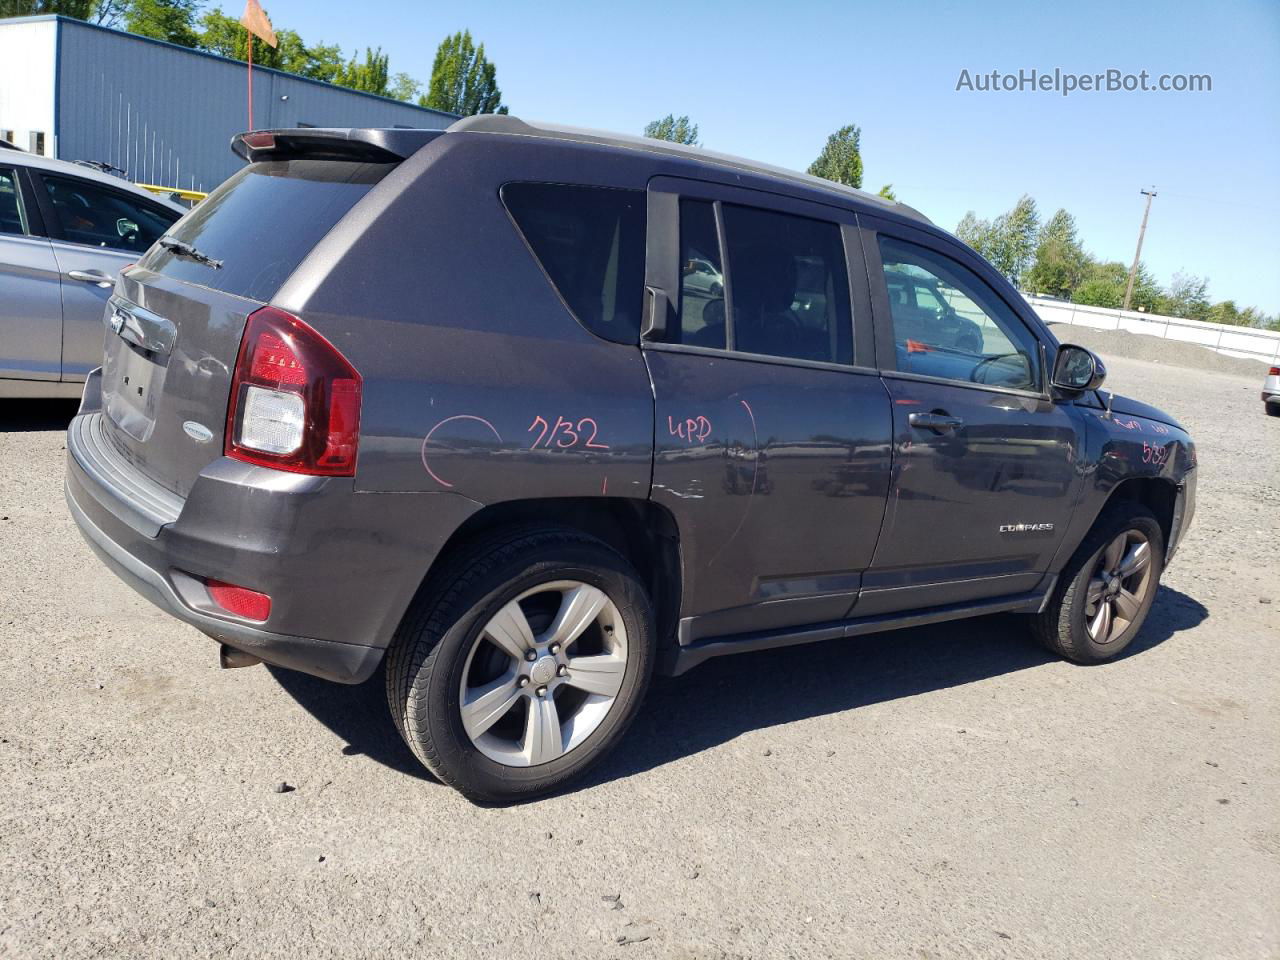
<point>66,230</point>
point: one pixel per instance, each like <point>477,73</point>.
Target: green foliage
<point>225,36</point>
<point>1187,297</point>
<point>404,87</point>
<point>887,192</point>
<point>463,80</point>
<point>1104,286</point>
<point>1009,241</point>
<point>1099,292</point>
<point>171,20</point>
<point>841,158</point>
<point>1225,312</point>
<point>1060,263</point>
<point>370,75</point>
<point>674,129</point>
<point>1059,266</point>
<point>79,9</point>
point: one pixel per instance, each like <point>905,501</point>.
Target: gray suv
<point>443,400</point>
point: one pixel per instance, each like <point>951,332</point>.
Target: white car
<point>1271,392</point>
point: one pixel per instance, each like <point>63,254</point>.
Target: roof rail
<point>514,126</point>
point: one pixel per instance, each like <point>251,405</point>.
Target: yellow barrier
<point>193,196</point>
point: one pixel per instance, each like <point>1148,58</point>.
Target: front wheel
<point>525,669</point>
<point>1107,589</point>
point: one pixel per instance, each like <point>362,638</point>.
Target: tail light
<point>295,400</point>
<point>241,601</point>
<point>1275,372</point>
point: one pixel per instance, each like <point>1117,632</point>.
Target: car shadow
<point>31,416</point>
<point>725,698</point>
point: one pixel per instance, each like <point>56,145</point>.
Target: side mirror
<point>1077,369</point>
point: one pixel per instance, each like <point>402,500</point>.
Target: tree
<point>674,130</point>
<point>1099,292</point>
<point>1014,237</point>
<point>887,192</point>
<point>1225,312</point>
<point>369,76</point>
<point>171,20</point>
<point>109,13</point>
<point>841,159</point>
<point>79,9</point>
<point>1187,297</point>
<point>404,87</point>
<point>1104,285</point>
<point>1060,263</point>
<point>225,36</point>
<point>976,233</point>
<point>463,80</point>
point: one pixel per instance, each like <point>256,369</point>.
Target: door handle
<point>92,276</point>
<point>937,422</point>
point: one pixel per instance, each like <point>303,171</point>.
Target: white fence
<point>1232,341</point>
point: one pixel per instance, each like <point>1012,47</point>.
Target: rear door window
<point>789,288</point>
<point>590,243</point>
<point>97,216</point>
<point>263,221</point>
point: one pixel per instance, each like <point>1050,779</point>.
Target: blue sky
<point>770,81</point>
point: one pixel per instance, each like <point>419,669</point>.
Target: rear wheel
<point>1106,590</point>
<point>525,668</point>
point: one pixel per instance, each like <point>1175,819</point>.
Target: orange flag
<point>255,21</point>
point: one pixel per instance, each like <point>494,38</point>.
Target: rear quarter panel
<point>478,380</point>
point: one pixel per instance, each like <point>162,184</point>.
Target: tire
<point>1273,409</point>
<point>446,642</point>
<point>1064,626</point>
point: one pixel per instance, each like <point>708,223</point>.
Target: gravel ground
<point>942,792</point>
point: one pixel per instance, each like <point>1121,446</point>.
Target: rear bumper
<point>340,567</point>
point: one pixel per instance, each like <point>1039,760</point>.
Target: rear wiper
<point>176,246</point>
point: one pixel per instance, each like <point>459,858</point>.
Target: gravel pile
<point>1174,353</point>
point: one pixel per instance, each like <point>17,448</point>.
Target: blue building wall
<point>166,114</point>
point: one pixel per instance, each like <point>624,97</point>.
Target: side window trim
<point>726,271</point>
<point>36,221</point>
<point>664,235</point>
<point>873,229</point>
<point>20,207</point>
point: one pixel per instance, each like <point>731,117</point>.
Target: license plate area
<point>132,382</point>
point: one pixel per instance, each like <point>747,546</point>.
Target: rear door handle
<point>937,422</point>
<point>92,276</point>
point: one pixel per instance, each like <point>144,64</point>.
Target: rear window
<point>590,243</point>
<point>263,221</point>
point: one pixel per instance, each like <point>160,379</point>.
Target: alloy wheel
<point>543,674</point>
<point>1118,587</point>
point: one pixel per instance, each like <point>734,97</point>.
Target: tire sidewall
<point>442,671</point>
<point>1075,617</point>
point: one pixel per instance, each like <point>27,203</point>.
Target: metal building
<point>163,113</point>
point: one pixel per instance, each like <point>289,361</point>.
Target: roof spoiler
<point>320,143</point>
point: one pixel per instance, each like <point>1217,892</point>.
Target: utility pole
<point>1133,271</point>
